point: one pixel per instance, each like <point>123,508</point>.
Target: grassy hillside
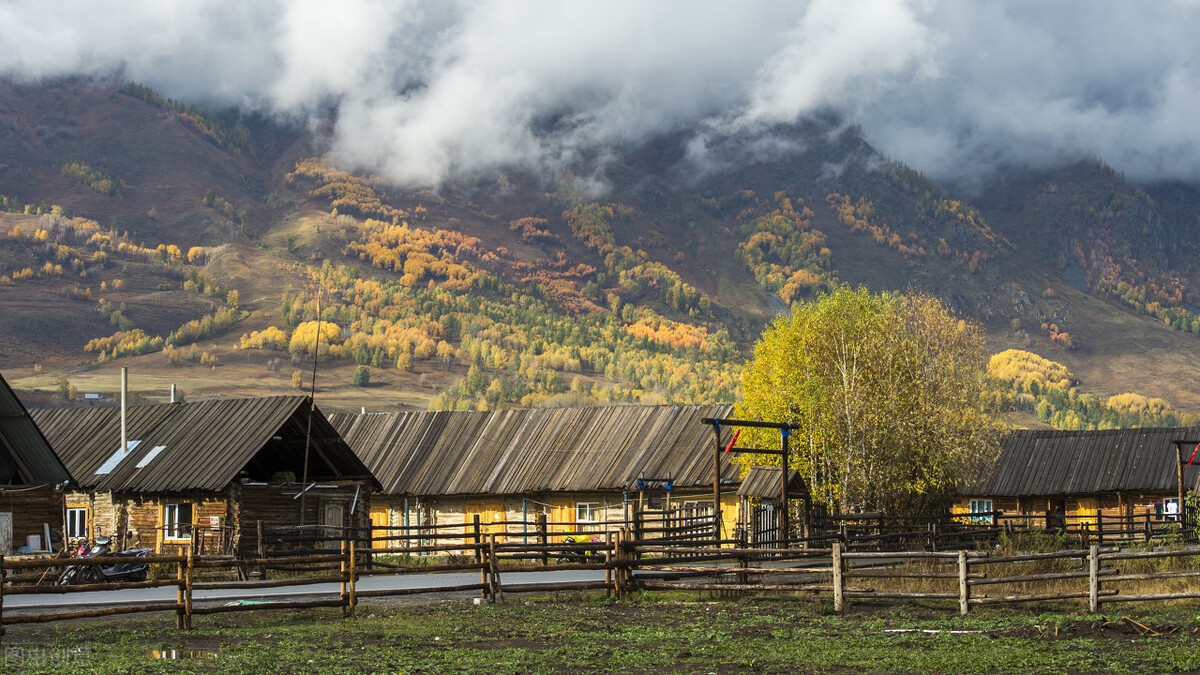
<point>511,289</point>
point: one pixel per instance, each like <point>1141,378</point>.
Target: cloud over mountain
<point>422,90</point>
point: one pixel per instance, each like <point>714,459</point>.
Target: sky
<point>424,90</point>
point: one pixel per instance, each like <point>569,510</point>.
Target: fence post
<point>838,597</point>
<point>608,567</point>
<point>543,539</point>
<point>483,580</point>
<point>1,595</point>
<point>1094,578</point>
<point>187,598</point>
<point>353,578</point>
<point>180,589</point>
<point>493,564</point>
<point>343,585</point>
<point>262,553</point>
<point>622,556</point>
<point>964,589</point>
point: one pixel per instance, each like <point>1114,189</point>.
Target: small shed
<point>1113,472</point>
<point>31,480</point>
<point>760,495</point>
<point>207,472</point>
<point>579,466</point>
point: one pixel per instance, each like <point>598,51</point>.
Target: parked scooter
<point>578,556</point>
<point>134,570</point>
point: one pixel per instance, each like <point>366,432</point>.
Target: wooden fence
<point>674,558</point>
<point>180,571</point>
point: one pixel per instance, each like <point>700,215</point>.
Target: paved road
<point>25,604</point>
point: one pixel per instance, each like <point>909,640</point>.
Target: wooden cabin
<point>31,481</point>
<point>207,473</point>
<point>1079,474</point>
<point>584,468</point>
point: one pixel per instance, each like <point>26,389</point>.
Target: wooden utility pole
<point>1179,474</point>
<point>716,483</point>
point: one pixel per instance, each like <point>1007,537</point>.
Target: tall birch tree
<point>886,390</point>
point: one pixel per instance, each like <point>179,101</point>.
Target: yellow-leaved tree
<point>886,390</point>
<point>305,337</point>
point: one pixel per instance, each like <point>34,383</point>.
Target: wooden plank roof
<point>24,444</point>
<point>193,446</point>
<point>1052,462</point>
<point>536,450</point>
<point>763,482</point>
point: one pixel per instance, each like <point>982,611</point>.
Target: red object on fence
<point>739,433</point>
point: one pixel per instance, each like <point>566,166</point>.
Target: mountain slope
<point>677,261</point>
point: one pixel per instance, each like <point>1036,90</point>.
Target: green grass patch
<point>652,633</point>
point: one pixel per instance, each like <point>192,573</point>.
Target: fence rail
<point>844,568</point>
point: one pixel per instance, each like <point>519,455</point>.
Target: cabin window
<point>697,508</point>
<point>177,521</point>
<point>587,513</point>
<point>981,511</point>
<point>76,522</point>
<point>1170,508</point>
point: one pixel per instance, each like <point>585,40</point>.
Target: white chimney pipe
<point>172,392</point>
<point>124,409</point>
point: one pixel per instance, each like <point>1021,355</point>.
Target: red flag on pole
<point>739,433</point>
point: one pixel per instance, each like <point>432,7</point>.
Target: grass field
<point>679,633</point>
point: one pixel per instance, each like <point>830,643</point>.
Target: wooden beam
<point>718,422</point>
<point>716,482</point>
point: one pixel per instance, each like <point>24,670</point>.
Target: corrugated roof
<point>1051,462</point>
<point>763,482</point>
<point>196,446</point>
<point>25,444</point>
<point>537,450</point>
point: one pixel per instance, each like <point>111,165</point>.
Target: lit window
<point>981,511</point>
<point>76,522</point>
<point>177,521</point>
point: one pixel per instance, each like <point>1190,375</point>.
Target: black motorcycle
<point>134,570</point>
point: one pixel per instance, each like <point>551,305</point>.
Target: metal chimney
<point>124,410</point>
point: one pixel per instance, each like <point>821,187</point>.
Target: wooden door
<point>562,519</point>
<point>491,516</point>
<point>379,519</point>
<point>333,517</point>
<point>1088,506</point>
<point>6,533</point>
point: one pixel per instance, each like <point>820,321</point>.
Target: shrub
<point>361,377</point>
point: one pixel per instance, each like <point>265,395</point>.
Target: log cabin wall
<point>32,509</point>
<point>143,525</point>
<point>278,506</point>
<point>102,512</point>
<point>1076,507</point>
<point>515,516</point>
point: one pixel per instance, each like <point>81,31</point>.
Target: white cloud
<point>428,88</point>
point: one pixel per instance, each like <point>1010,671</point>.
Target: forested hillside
<point>194,246</point>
